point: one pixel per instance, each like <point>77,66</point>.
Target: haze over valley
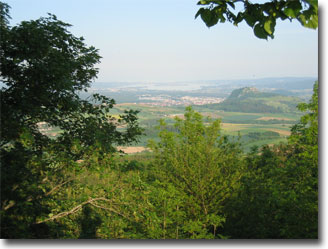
<point>198,92</point>
<point>260,110</point>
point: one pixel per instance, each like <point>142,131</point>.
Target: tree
<point>43,69</point>
<point>261,17</point>
<point>202,168</point>
<point>304,136</point>
<point>278,197</point>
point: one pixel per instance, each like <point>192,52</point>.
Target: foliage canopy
<point>43,69</point>
<point>261,17</point>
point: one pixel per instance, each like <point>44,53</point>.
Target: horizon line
<point>206,80</point>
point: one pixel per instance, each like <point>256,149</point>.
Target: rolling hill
<point>251,100</point>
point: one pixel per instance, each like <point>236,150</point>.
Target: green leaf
<point>291,12</point>
<point>260,32</point>
<point>251,20</point>
<point>199,12</point>
<point>311,22</point>
<point>209,17</point>
<point>293,9</point>
<point>203,2</point>
<point>269,26</point>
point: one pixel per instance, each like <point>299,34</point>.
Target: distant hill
<point>251,100</point>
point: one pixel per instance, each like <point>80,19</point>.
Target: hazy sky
<point>148,40</point>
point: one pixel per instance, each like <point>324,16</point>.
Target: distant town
<point>166,100</point>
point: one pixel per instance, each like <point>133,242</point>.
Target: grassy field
<point>233,129</point>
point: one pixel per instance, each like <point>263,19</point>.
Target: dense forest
<point>195,183</point>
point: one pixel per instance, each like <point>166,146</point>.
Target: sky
<point>161,41</point>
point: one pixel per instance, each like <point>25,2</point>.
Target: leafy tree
<point>202,167</point>
<point>303,150</point>
<point>278,194</point>
<point>43,69</point>
<point>261,17</point>
<point>304,135</point>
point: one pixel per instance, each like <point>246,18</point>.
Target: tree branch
<point>78,207</point>
<point>111,210</point>
<point>58,186</point>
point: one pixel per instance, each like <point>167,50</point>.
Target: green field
<point>250,126</point>
<point>254,129</point>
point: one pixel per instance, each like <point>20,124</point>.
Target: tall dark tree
<point>43,69</point>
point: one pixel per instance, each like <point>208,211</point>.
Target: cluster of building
<point>166,100</point>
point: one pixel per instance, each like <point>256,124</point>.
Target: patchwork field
<point>255,129</point>
<point>252,129</point>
